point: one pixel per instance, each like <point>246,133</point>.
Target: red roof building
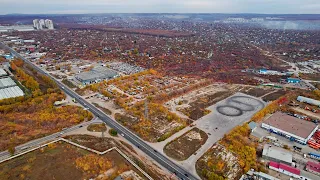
<point>313,167</point>
<point>289,169</point>
<point>274,164</point>
<point>285,169</point>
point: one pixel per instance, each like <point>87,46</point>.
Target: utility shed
<point>276,154</point>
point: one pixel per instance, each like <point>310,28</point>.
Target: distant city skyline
<point>160,6</point>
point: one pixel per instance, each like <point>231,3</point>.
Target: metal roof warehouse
<point>290,127</point>
<point>277,154</point>
<point>6,82</point>
<point>11,92</point>
<point>95,75</point>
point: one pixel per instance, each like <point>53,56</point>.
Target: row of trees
<point>270,108</point>
<point>27,80</point>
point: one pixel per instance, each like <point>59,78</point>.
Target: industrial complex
<point>95,75</point>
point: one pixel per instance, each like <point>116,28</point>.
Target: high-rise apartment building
<point>49,24</point>
<point>43,24</point>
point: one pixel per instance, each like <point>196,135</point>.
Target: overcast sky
<point>160,6</point>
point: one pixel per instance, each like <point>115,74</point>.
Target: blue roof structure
<point>252,125</point>
<point>293,80</point>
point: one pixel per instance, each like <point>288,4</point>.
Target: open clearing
<point>224,116</point>
<point>220,161</point>
<point>64,161</point>
<point>256,91</point>
<point>274,96</point>
<point>194,105</point>
<point>187,144</point>
<point>96,143</point>
<point>97,127</point>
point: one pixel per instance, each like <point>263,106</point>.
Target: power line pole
<point>146,109</point>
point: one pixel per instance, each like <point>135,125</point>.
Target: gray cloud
<point>160,6</point>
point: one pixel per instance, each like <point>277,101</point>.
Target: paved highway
<point>134,139</point>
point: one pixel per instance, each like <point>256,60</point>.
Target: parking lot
<point>224,116</point>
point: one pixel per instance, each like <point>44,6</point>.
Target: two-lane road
<point>134,139</point>
<point>38,142</point>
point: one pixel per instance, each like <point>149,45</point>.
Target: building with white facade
<point>43,24</point>
<point>308,100</point>
<point>290,127</point>
<point>276,154</point>
<point>49,24</point>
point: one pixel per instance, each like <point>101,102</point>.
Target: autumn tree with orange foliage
<point>28,117</point>
<point>237,141</point>
<point>269,109</point>
<point>94,164</point>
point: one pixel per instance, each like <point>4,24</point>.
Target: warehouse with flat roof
<point>10,92</point>
<point>6,82</point>
<point>290,127</point>
<point>308,100</point>
<point>276,154</point>
<point>95,75</point>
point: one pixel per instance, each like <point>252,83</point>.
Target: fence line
<point>86,148</point>
<point>25,152</point>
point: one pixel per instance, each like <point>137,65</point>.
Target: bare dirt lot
<point>97,127</point>
<point>195,104</point>
<point>274,96</point>
<point>99,144</point>
<point>157,129</point>
<point>197,108</point>
<point>186,145</point>
<point>257,92</point>
<point>103,144</point>
<point>220,161</point>
<point>63,161</point>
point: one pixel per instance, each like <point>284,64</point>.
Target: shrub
<point>113,132</point>
<point>11,150</point>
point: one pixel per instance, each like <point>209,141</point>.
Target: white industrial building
<point>290,127</point>
<point>10,92</point>
<point>16,28</point>
<point>270,72</point>
<point>97,74</point>
<point>276,154</point>
<point>6,82</point>
<point>308,100</point>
